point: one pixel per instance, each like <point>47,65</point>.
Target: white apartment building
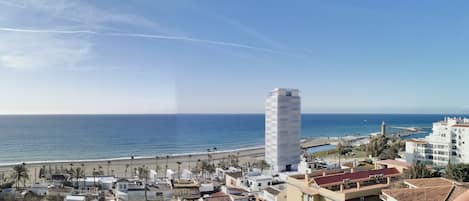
<point>282,129</point>
<point>445,143</point>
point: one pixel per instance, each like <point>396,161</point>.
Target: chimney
<point>323,173</point>
<point>352,170</point>
<point>307,179</point>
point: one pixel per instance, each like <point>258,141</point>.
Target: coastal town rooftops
<point>428,182</point>
<point>355,176</point>
<point>318,173</point>
<point>235,174</point>
<point>272,191</point>
<point>260,178</point>
<point>218,196</point>
<point>417,141</point>
<point>428,193</point>
<point>461,125</point>
<point>394,163</point>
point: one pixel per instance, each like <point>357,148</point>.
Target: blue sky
<point>59,56</point>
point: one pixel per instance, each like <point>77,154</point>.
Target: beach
<point>118,166</point>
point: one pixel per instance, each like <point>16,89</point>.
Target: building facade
<point>345,186</point>
<point>445,144</point>
<point>282,129</point>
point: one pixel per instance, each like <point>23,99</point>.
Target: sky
<point>141,57</point>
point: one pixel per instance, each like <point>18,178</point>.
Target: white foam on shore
<point>135,157</point>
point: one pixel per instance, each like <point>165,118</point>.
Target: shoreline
<point>145,157</point>
<point>176,155</point>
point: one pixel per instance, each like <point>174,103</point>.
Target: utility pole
<point>339,150</point>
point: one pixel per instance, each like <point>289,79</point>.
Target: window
<point>259,184</point>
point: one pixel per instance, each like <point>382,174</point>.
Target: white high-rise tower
<point>282,129</point>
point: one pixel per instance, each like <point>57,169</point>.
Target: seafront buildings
<point>282,129</point>
<point>337,185</point>
<point>446,143</point>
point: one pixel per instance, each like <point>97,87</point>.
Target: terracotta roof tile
<point>394,162</point>
<point>339,178</point>
<point>424,194</point>
<point>429,182</point>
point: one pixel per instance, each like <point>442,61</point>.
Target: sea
<point>27,138</point>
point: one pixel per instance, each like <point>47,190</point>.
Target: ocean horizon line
<point>253,113</point>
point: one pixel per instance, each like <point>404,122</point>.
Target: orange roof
<point>394,162</point>
<point>339,178</point>
<point>417,141</point>
<point>461,125</point>
<point>425,194</point>
<point>429,182</point>
<point>463,197</point>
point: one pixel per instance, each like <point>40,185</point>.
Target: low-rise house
<point>218,196</point>
<point>206,188</point>
<point>398,164</point>
<point>220,172</point>
<point>257,183</point>
<point>39,188</point>
<point>428,189</point>
<point>233,179</point>
<point>186,190</point>
<point>340,186</point>
<point>238,194</point>
<point>75,198</point>
<point>135,190</point>
<point>274,193</point>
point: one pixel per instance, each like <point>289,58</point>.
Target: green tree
<point>143,174</point>
<point>108,167</point>
<point>458,172</point>
<point>419,170</point>
<point>179,169</point>
<point>20,174</point>
<point>77,173</point>
<point>385,147</point>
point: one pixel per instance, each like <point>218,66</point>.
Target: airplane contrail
<point>138,35</point>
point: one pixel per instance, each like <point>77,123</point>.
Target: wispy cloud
<point>139,35</point>
<point>34,51</point>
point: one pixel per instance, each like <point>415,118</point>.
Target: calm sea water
<point>65,137</point>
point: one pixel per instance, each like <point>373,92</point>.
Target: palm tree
<point>77,173</point>
<point>20,173</point>
<point>179,169</point>
<point>84,175</point>
<point>131,164</point>
<point>143,174</point>
<point>108,167</point>
<point>156,165</point>
<point>189,162</point>
<point>95,173</point>
<point>126,168</point>
<point>208,156</point>
<point>166,166</point>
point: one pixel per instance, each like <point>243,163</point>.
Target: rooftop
<point>218,196</point>
<point>428,193</point>
<point>428,182</point>
<point>272,191</point>
<point>417,141</point>
<point>235,174</point>
<point>394,162</point>
<point>360,175</point>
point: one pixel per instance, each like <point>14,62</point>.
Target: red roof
<point>416,141</point>
<point>339,178</point>
<point>460,125</point>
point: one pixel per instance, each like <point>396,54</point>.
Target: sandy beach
<point>118,166</point>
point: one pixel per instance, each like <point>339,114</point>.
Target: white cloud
<point>48,50</point>
<point>32,50</point>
